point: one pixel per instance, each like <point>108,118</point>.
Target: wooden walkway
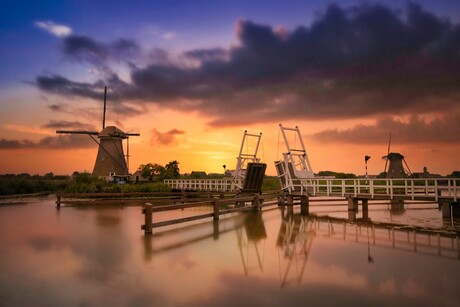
<point>220,206</point>
<point>135,198</point>
<point>429,189</point>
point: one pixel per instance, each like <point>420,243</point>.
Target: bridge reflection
<point>296,236</point>
<point>297,233</point>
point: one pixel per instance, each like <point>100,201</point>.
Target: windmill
<point>110,161</point>
<point>395,166</point>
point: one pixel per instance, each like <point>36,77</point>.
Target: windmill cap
<point>111,131</point>
<point>394,156</point>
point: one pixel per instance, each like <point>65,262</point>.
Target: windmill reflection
<point>255,235</point>
<point>295,238</point>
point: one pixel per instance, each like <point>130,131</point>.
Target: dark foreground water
<point>98,256</point>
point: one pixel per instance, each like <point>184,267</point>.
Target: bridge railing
<point>411,188</point>
<point>224,185</point>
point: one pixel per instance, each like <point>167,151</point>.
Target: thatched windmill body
<point>110,161</point>
<point>395,161</point>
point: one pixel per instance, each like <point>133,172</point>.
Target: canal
<point>94,256</point>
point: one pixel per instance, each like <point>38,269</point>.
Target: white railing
<point>224,185</point>
<point>411,188</point>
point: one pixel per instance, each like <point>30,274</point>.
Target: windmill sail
<point>388,153</point>
<point>110,159</point>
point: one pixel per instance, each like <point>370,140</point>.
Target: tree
<point>156,172</point>
<point>455,174</point>
<point>152,171</point>
<point>336,174</point>
<point>172,169</point>
<point>49,175</point>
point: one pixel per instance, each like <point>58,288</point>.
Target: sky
<point>192,76</point>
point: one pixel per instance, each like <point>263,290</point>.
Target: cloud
<point>101,56</point>
<point>53,28</point>
<point>56,107</point>
<point>208,55</point>
<point>415,130</point>
<point>164,138</point>
<point>85,49</point>
<point>350,63</point>
<point>55,84</point>
<point>50,142</point>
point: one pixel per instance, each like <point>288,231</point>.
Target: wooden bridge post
<point>365,208</point>
<point>215,230</point>
<point>58,200</point>
<point>147,227</point>
<point>352,204</point>
<point>290,200</point>
<point>281,199</point>
<point>215,205</point>
<point>304,205</point>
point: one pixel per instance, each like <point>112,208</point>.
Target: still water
<point>98,256</point>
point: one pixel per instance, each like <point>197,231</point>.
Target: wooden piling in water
<point>255,203</point>
<point>58,200</point>
<point>281,199</point>
<point>147,227</point>
<point>304,208</point>
<point>365,208</point>
<point>290,200</point>
<point>215,205</point>
<point>352,204</point>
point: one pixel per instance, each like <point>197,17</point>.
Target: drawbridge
<point>247,177</point>
<point>296,178</point>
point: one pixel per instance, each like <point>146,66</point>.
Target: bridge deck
<point>430,189</point>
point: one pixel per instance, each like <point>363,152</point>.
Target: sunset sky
<point>191,76</point>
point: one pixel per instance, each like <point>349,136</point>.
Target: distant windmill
<point>110,160</point>
<point>395,167</point>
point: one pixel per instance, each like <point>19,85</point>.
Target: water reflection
<point>295,239</point>
<point>253,241</point>
<point>99,256</point>
<point>397,206</point>
<point>297,232</point>
<point>173,238</point>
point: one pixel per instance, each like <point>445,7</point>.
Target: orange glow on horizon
<point>203,148</point>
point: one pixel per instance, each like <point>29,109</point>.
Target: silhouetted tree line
<point>336,174</point>
<point>455,174</point>
<point>156,172</point>
<point>47,176</point>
